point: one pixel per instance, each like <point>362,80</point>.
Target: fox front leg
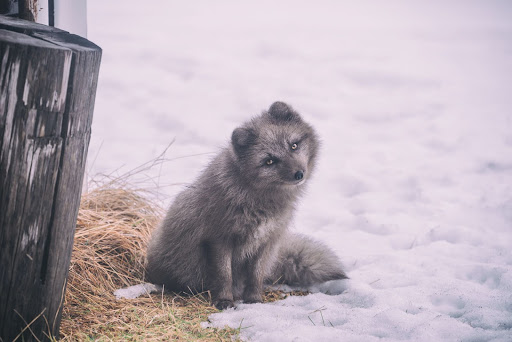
<point>219,274</point>
<point>254,286</point>
<point>239,274</point>
<point>257,269</point>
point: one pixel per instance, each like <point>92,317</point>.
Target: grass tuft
<point>113,228</point>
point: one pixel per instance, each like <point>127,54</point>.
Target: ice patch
<point>136,291</point>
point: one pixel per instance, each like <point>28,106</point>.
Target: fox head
<point>276,148</point>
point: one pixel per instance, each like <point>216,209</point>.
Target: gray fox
<point>227,232</point>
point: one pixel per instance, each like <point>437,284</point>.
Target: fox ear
<point>242,138</point>
<point>280,111</point>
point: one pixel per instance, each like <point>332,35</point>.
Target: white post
<point>71,16</point>
<point>42,12</point>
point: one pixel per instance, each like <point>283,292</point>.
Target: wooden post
<point>48,81</point>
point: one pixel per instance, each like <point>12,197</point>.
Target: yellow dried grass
<point>113,227</point>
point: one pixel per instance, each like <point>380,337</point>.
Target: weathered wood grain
<point>48,82</point>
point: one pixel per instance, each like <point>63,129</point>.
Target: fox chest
<point>253,240</point>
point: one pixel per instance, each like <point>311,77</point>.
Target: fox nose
<point>299,175</point>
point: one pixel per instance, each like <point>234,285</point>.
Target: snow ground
<point>413,103</point>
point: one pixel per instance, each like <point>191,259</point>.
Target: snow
<point>136,291</point>
<point>413,103</point>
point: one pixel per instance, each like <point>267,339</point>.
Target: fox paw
<point>224,304</point>
<point>252,298</point>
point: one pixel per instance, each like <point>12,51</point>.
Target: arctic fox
<point>227,232</point>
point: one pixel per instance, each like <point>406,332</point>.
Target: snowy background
<point>413,102</point>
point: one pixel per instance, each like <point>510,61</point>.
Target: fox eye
<point>294,146</point>
<point>269,161</point>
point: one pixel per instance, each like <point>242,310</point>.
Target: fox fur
<point>228,231</point>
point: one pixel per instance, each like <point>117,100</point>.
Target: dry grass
<point>113,228</point>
